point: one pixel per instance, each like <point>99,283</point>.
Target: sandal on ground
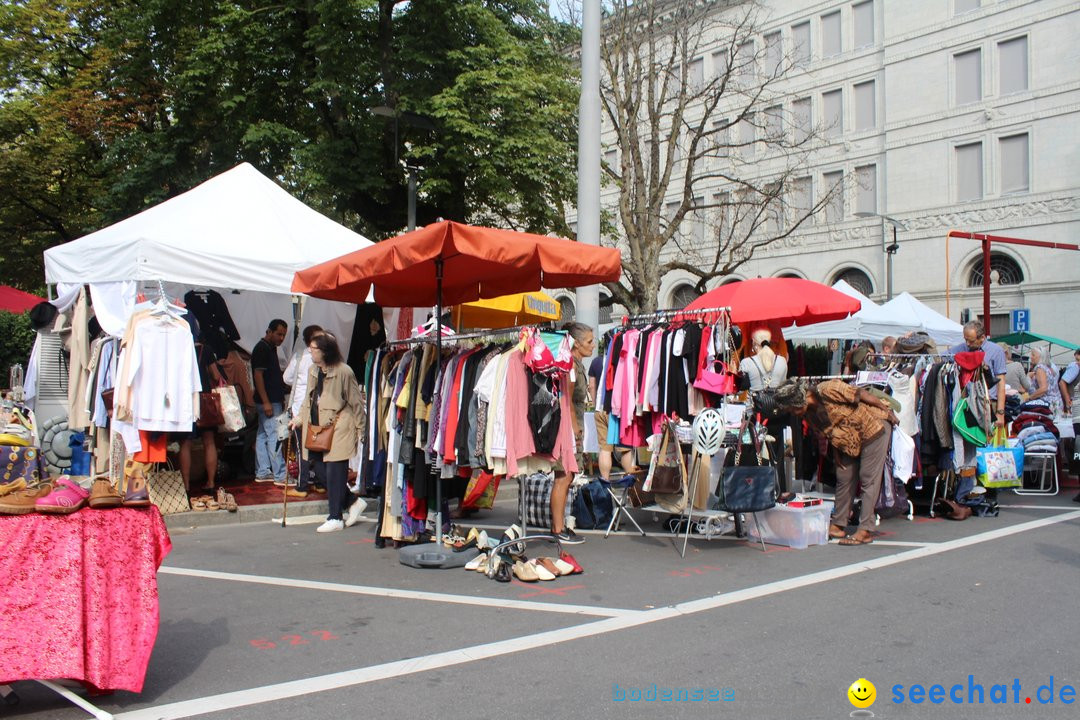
<point>226,500</point>
<point>198,504</point>
<point>836,532</point>
<point>853,540</point>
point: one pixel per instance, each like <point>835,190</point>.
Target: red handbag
<point>716,379</point>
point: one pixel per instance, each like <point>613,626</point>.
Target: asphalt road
<point>264,622</point>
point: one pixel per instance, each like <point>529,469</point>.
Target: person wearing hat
<point>858,426</point>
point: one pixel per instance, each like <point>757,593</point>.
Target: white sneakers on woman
<point>331,526</point>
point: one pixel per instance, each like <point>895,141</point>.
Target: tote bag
<point>231,411</point>
<point>1000,466</point>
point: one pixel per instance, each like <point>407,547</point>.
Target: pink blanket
<point>78,595</point>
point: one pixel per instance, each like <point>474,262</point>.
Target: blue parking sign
<point>1021,320</point>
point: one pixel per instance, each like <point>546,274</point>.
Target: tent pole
<point>438,374</point>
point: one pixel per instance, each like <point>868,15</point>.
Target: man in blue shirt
<point>993,360</point>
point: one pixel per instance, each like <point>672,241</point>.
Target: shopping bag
<point>23,463</point>
<point>230,408</point>
<point>209,411</point>
<point>998,465</point>
<point>481,490</point>
<point>166,487</point>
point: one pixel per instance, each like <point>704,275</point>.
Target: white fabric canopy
<point>238,230</point>
<point>901,315</point>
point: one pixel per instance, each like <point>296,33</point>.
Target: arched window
<point>1003,271</point>
<point>856,278</point>
<point>790,275</point>
<point>683,295</point>
<point>606,302</point>
<point>567,311</point>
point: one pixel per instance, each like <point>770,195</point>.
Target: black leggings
<point>335,476</point>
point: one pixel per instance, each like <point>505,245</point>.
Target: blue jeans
<point>268,458</point>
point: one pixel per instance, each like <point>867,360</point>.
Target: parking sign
<point>1021,320</point>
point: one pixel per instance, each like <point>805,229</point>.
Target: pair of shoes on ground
<point>355,512</point>
<point>543,568</point>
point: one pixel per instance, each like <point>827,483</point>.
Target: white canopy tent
<point>239,233</point>
<point>899,316</point>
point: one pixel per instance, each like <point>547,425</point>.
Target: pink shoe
<point>66,497</point>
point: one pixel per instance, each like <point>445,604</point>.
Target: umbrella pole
<point>438,374</point>
<point>285,490</point>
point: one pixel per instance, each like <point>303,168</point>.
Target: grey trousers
<point>867,469</point>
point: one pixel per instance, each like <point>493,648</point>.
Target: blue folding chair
<point>618,487</point>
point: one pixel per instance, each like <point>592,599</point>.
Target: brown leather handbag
<point>319,438</point>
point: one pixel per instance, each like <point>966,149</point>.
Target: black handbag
<point>747,489</point>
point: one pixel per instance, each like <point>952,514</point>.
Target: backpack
<point>593,508</point>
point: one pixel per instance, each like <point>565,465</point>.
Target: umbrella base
<point>432,556</point>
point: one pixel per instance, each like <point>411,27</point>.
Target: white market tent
<point>901,315</point>
<point>237,231</point>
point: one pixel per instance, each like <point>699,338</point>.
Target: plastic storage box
<point>792,527</point>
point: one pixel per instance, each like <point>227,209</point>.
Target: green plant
<point>16,341</point>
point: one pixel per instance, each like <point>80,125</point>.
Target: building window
<point>969,172</point>
<point>830,34</point>
<point>1015,173</point>
<point>865,108</point>
<point>968,66</point>
<point>721,139</point>
<point>682,295</point>
<point>606,304</point>
<point>722,201</point>
<point>832,113</point>
<point>1003,271</point>
<point>720,63</point>
<point>774,53</point>
<point>965,6</point>
<point>834,183</point>
<point>800,44</point>
<point>774,122</point>
<point>801,118</point>
<point>801,200</point>
<point>864,23</point>
<point>747,137</point>
<point>697,222</point>
<point>795,276</point>
<point>567,311</point>
<point>866,192</point>
<point>856,278</point>
<point>1012,66</point>
<point>695,76</point>
<point>611,158</point>
<point>745,64</point>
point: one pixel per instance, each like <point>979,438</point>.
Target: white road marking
<point>486,602</point>
<point>359,676</point>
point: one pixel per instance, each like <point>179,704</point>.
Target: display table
<point>78,595</point>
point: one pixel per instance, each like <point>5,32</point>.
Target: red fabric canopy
<point>17,301</point>
<point>785,301</point>
<point>478,263</point>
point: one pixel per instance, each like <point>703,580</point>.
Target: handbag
<point>668,468</point>
<point>765,398</point>
<point>231,412</point>
<point>320,438</point>
<point>481,490</point>
<point>210,415</point>
<point>999,465</point>
<point>747,489</point>
<point>716,379</point>
<point>23,463</point>
<point>166,488</point>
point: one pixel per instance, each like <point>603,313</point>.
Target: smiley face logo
<point>862,693</point>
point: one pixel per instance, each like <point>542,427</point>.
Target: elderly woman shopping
<point>857,425</point>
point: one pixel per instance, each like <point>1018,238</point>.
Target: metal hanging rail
<point>495,332</point>
<point>661,314</point>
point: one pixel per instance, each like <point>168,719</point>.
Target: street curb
<point>245,514</point>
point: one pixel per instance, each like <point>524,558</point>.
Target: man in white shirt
<point>296,374</point>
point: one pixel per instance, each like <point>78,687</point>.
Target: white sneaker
<point>355,512</point>
<point>331,526</point>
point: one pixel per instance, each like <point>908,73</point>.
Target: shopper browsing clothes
<point>584,343</point>
<point>296,375</point>
<point>333,401</point>
<point>210,376</point>
<point>627,457</point>
<point>270,400</point>
<point>857,425</point>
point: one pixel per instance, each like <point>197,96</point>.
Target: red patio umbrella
<point>448,263</point>
<point>786,301</point>
<point>17,301</point>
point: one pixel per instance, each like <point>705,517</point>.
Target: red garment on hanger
<point>969,364</point>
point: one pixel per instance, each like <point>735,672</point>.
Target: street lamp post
<point>889,250</point>
<point>411,120</point>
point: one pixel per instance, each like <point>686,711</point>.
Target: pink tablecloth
<point>78,595</point>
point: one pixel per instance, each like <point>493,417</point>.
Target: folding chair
<point>1047,461</point>
<point>620,500</point>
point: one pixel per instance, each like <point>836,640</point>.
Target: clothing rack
<point>497,332</point>
<point>819,378</point>
<point>661,314</point>
<point>936,356</point>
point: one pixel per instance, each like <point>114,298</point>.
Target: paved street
<point>260,621</point>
